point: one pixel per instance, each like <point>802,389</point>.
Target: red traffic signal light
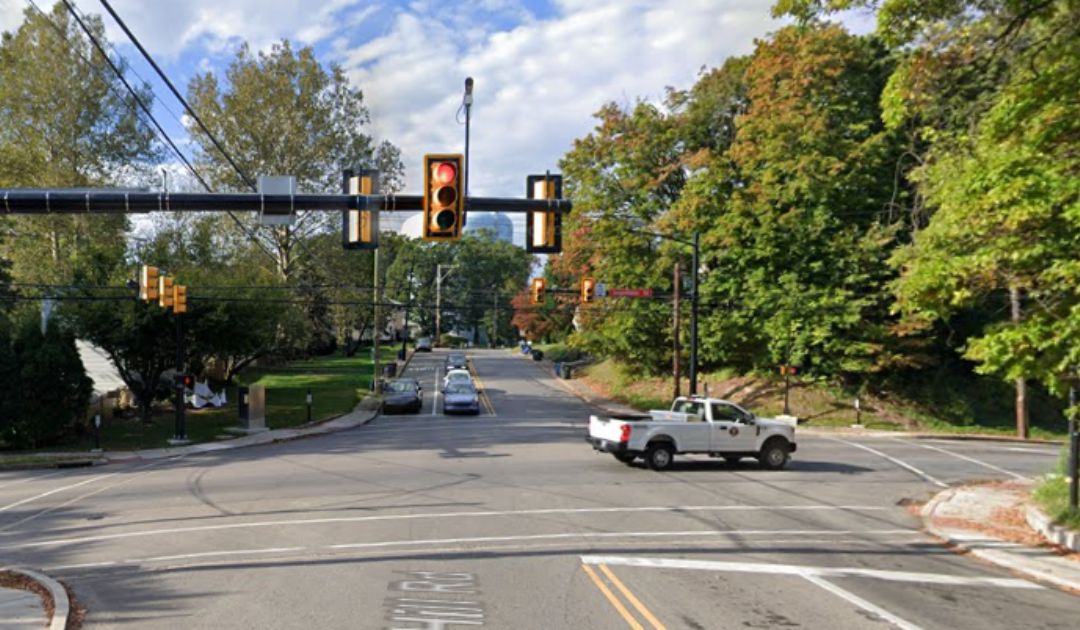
<point>444,197</point>
<point>189,381</point>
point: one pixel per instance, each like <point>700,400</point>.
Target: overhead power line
<point>144,107</point>
<point>190,110</point>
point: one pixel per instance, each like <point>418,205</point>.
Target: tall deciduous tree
<point>281,112</point>
<point>65,121</point>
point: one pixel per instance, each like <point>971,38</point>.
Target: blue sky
<point>542,67</point>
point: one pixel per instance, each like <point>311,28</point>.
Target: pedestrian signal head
<point>444,197</point>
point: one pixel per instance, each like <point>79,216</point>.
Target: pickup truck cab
<point>717,427</point>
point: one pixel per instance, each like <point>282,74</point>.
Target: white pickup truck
<point>694,425</point>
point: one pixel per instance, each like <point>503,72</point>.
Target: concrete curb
<point>994,550</point>
<point>1053,533</point>
<point>61,604</point>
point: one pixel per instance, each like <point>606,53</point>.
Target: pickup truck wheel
<point>659,456</point>
<point>626,458</point>
<point>774,455</point>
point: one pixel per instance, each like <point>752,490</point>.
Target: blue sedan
<point>461,397</point>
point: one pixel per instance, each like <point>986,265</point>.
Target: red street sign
<point>631,293</point>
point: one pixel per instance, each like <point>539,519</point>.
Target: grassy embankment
<point>1052,495</point>
<point>944,401</point>
<point>337,384</point>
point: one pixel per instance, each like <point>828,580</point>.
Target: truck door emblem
<point>733,431</point>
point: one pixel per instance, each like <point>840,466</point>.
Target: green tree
<point>65,121</point>
<point>281,112</point>
<point>52,390</point>
<point>795,257</point>
<point>1008,217</point>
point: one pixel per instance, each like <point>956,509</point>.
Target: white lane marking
<point>902,464</point>
<point>968,459</point>
<point>994,447</point>
<point>54,491</point>
<point>719,544</point>
<point>804,570</point>
<point>861,603</point>
<point>588,535</point>
<point>82,496</point>
<point>27,479</point>
<point>435,515</point>
<point>210,554</point>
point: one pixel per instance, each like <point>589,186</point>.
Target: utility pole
<point>675,335</point>
<point>438,298</point>
<point>1021,382</point>
<point>694,316</point>
<point>1074,446</point>
<point>408,302</point>
<point>494,318</point>
<point>376,330</point>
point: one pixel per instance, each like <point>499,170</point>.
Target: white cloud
<point>168,28</point>
<point>538,84</point>
<point>11,14</point>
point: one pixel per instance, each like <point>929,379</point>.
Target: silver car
<point>460,397</point>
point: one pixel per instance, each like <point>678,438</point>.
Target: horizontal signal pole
<point>60,201</point>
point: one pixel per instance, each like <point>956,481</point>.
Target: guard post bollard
<point>309,401</point>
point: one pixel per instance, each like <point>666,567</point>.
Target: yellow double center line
<point>617,604</point>
<point>483,391</point>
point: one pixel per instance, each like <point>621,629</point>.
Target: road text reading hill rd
<point>424,601</point>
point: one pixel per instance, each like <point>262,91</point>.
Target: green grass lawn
<point>1052,495</point>
<point>337,384</point>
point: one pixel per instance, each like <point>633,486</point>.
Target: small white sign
<point>601,289</point>
<point>277,185</point>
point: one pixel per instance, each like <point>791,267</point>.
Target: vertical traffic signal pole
<point>695,297</point>
<point>181,430</point>
<point>467,102</point>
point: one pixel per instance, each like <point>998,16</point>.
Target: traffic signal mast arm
<point>61,201</point>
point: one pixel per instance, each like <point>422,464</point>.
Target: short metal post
<point>858,411</point>
<point>309,400</point>
<point>787,388</point>
<point>97,432</point>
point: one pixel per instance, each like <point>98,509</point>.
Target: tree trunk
<point>1022,420</point>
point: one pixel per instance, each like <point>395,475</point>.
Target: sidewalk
<point>364,412</point>
<point>29,599</point>
<point>990,522</point>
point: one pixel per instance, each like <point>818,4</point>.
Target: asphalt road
<point>509,520</point>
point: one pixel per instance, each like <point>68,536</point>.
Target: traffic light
<point>360,226</point>
<point>543,230</point>
<point>588,290</point>
<point>165,292</point>
<point>179,299</point>
<point>188,381</point>
<point>538,286</point>
<point>148,283</point>
<point>444,197</point>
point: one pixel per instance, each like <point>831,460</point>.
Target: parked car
<point>423,344</point>
<point>456,361</point>
<point>717,427</point>
<point>459,376</point>
<point>461,397</point>
<point>403,394</point>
